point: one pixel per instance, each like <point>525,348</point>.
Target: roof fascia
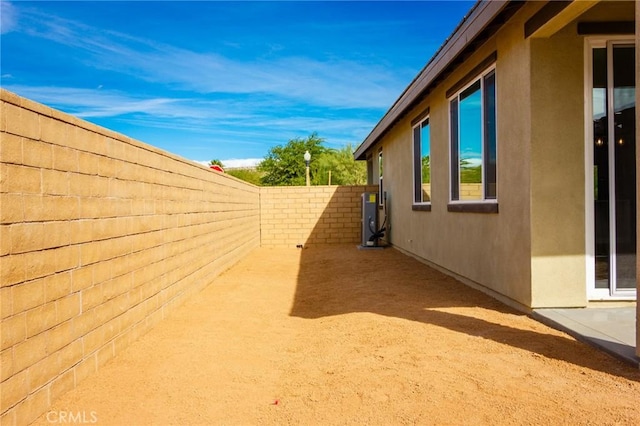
<point>554,16</point>
<point>479,18</point>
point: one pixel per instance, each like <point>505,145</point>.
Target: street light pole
<point>307,159</point>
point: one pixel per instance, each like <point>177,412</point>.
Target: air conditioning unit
<point>370,232</point>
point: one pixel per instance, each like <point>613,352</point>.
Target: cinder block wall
<point>100,236</point>
<point>315,215</point>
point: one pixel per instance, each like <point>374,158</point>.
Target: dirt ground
<point>326,336</point>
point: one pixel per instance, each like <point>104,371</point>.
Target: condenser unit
<point>369,219</point>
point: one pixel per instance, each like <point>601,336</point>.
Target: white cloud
<point>8,17</point>
<point>233,120</point>
<point>218,104</point>
<point>99,102</point>
<point>337,83</point>
<point>234,163</point>
<point>241,162</point>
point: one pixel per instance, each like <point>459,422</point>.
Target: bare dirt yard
<point>326,336</point>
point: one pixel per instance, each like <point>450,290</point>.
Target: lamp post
<point>307,159</point>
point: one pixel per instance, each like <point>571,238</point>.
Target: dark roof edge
<point>476,20</point>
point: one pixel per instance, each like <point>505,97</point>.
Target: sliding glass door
<point>613,156</point>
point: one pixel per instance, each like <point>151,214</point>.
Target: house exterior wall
<point>533,251</point>
<point>492,250</point>
<point>559,255</point>
<point>558,160</point>
<point>558,170</point>
<point>100,237</point>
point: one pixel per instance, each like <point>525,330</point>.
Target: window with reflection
<point>473,141</point>
<point>380,186</point>
<point>422,162</point>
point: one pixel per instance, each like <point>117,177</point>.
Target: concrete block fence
<point>308,216</point>
<point>101,236</point>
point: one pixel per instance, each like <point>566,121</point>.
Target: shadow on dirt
<point>336,280</point>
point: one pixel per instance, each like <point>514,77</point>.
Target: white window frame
<point>380,180</point>
<point>593,293</point>
<point>480,77</point>
<point>419,125</point>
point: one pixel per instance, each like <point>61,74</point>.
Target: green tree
<point>284,164</point>
<point>470,173</point>
<point>248,175</point>
<point>343,167</point>
<point>426,169</point>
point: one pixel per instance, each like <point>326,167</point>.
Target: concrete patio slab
<point>609,329</point>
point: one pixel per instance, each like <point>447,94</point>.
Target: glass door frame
<point>593,293</point>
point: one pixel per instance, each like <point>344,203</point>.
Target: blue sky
<point>225,80</point>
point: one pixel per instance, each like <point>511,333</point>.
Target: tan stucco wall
<point>559,271</point>
<point>100,237</point>
<point>532,251</point>
<point>558,170</point>
<point>490,249</point>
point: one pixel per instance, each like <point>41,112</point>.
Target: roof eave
<point>479,17</point>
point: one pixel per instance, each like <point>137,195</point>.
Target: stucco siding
<point>533,251</point>
<point>559,271</point>
<point>557,170</point>
<point>492,250</point>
